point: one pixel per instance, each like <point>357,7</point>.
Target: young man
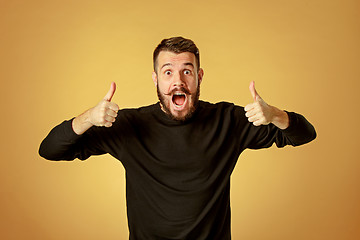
<point>180,152</point>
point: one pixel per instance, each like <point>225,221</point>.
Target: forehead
<point>175,59</point>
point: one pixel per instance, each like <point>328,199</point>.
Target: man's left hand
<point>260,113</point>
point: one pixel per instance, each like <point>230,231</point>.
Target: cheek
<point>193,84</point>
<point>163,86</point>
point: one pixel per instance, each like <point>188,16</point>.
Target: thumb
<point>111,92</point>
<point>253,91</point>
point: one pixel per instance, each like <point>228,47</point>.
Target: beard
<point>194,99</point>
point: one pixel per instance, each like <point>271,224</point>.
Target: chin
<point>181,116</point>
<point>173,112</point>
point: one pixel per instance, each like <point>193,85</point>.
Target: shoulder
<point>137,115</point>
<point>220,106</point>
<point>138,111</point>
<point>221,112</point>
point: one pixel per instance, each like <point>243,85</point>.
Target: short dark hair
<point>176,45</point>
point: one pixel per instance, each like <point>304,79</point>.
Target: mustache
<point>181,89</point>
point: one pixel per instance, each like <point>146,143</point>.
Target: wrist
<point>82,123</point>
<point>280,118</point>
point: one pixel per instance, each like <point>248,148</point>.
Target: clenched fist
<point>105,112</point>
<point>260,113</point>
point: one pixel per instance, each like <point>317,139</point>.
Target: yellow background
<point>57,58</point>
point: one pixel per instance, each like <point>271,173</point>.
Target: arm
<point>299,132</point>
<point>290,128</point>
<point>65,141</point>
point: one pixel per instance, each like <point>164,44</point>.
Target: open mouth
<point>179,99</point>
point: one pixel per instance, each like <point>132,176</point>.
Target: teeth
<point>179,94</point>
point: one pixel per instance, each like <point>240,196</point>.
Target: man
<point>180,152</point>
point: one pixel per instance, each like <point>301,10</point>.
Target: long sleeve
<point>177,173</point>
<point>62,143</point>
<point>299,132</point>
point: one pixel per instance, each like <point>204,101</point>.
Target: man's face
<point>177,79</point>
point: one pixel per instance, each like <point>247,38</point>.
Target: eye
<point>187,72</point>
<point>168,72</point>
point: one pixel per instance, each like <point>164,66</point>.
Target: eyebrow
<point>169,64</point>
<point>166,64</point>
<point>189,64</point>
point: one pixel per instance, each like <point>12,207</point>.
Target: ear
<point>154,78</point>
<point>200,75</point>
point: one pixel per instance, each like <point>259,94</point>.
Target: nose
<point>178,80</point>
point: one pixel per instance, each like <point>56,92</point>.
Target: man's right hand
<point>103,114</point>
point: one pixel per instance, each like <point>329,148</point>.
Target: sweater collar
<point>166,119</point>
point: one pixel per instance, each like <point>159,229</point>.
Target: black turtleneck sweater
<point>177,173</point>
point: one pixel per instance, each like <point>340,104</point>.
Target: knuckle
<point>103,103</point>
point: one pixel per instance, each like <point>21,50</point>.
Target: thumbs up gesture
<point>260,113</point>
<point>105,112</point>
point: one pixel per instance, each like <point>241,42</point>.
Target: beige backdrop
<point>57,58</point>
